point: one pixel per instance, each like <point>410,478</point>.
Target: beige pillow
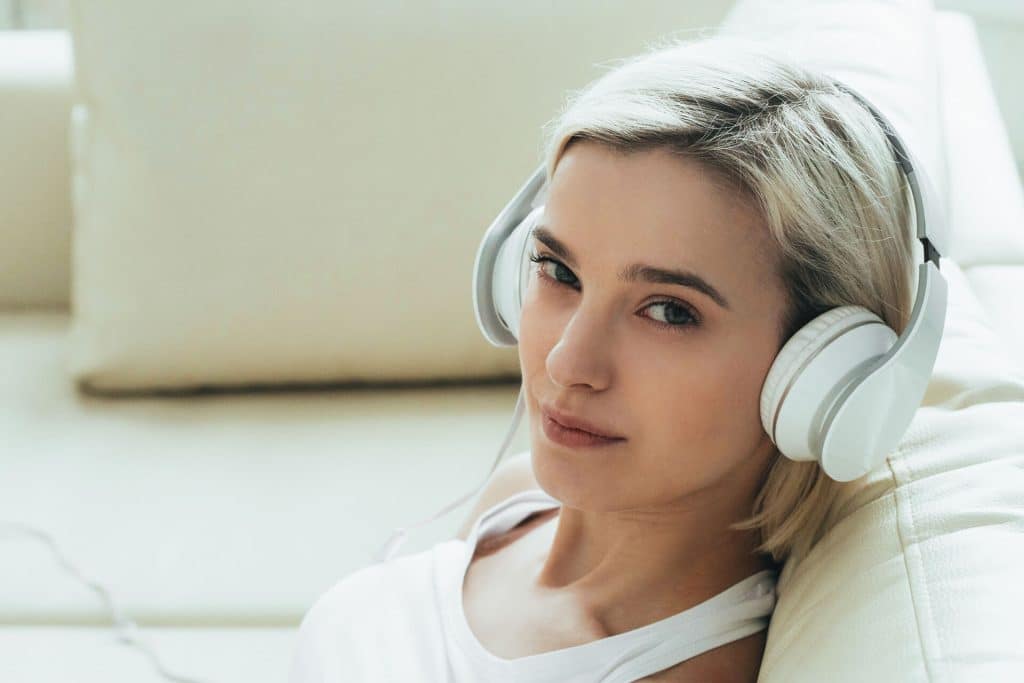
<point>269,194</point>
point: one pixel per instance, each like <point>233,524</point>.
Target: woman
<point>779,198</point>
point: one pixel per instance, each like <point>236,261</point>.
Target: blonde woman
<point>704,201</point>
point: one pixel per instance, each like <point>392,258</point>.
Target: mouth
<point>574,438</point>
<point>568,432</point>
<point>579,424</point>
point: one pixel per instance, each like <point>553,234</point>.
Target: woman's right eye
<point>544,277</point>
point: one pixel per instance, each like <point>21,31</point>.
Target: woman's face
<point>676,371</point>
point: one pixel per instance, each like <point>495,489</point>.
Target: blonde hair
<point>818,168</point>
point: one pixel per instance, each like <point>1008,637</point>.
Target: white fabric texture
<point>403,621</point>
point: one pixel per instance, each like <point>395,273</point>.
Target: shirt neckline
<point>584,656</point>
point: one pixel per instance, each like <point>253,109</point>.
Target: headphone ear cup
<point>810,370</point>
<point>511,274</point>
<point>496,293</point>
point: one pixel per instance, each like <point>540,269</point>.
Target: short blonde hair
<point>818,168</point>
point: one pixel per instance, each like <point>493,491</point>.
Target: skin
<point>642,530</point>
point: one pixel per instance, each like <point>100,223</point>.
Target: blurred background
<point>1000,26</point>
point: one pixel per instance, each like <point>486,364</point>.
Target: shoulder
<point>363,605</point>
<point>377,623</point>
<point>322,634</point>
<point>341,598</point>
<point>365,590</point>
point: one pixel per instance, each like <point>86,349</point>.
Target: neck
<point>626,572</point>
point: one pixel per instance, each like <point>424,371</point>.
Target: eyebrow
<point>640,271</point>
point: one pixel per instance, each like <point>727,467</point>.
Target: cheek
<point>531,329</point>
<point>708,404</point>
<point>684,412</point>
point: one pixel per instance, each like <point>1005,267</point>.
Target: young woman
<point>704,202</point>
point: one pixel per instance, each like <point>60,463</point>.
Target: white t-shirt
<point>402,621</point>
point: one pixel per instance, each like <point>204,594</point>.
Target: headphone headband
<point>931,229</point>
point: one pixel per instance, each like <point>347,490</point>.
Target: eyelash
<point>672,327</point>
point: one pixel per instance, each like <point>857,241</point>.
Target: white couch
<point>218,518</point>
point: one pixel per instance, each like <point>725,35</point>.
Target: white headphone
<point>841,391</point>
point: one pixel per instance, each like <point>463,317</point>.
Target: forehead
<point>658,208</point>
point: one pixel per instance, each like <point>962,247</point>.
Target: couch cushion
<point>220,508</point>
<point>998,288</point>
<point>91,653</point>
<point>990,199</point>
<point>298,197</point>
<point>988,210</point>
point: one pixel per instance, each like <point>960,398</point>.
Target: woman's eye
<point>674,309</point>
<point>541,260</point>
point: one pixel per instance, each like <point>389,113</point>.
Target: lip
<point>577,424</point>
<point>574,438</point>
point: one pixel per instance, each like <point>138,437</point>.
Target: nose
<point>582,356</point>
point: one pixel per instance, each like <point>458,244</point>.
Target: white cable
<point>127,629</point>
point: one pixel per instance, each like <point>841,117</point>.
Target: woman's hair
<point>819,170</point>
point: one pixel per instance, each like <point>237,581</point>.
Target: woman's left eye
<point>691,319</point>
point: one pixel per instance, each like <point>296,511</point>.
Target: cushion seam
<point>919,600</point>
